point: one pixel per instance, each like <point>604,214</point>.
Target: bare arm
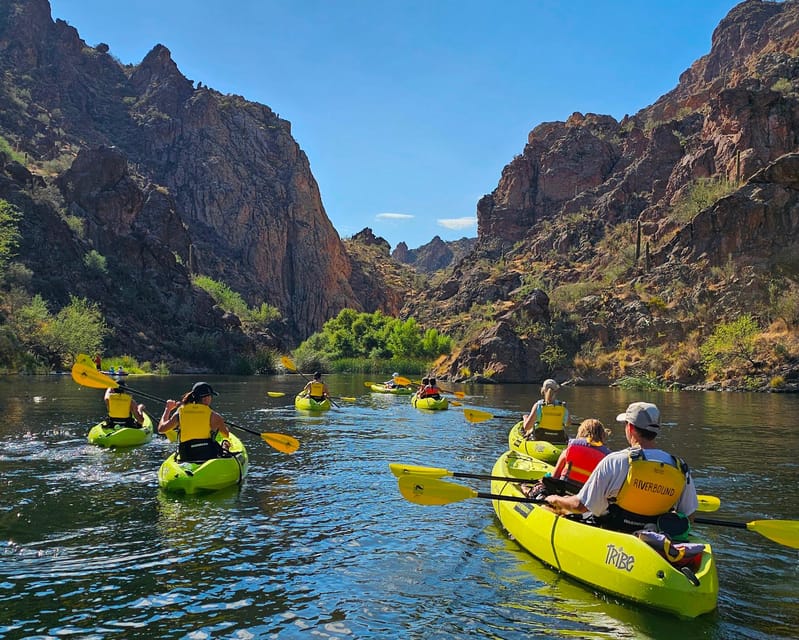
<point>169,419</point>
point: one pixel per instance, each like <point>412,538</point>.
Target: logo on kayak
<point>616,557</point>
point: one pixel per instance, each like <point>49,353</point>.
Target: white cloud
<point>394,216</point>
<point>458,223</point>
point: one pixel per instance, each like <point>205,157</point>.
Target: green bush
<point>729,342</point>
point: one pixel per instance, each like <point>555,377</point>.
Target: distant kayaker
<point>122,408</point>
<point>391,384</point>
<point>98,362</point>
<point>548,417</point>
<point>197,424</point>
<point>316,388</point>
<point>632,488</point>
<point>430,390</point>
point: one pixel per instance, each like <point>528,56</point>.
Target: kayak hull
<point>205,476</point>
<point>541,449</point>
<point>306,403</point>
<point>613,562</point>
<point>431,404</point>
<point>396,391</point>
<point>121,436</point>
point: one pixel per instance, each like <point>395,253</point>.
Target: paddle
<point>89,376</point>
<point>706,503</point>
<point>785,532</point>
<point>402,470</point>
<point>429,491</point>
<point>275,394</point>
<point>475,415</point>
<point>289,364</point>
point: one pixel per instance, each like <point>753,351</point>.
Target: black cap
<point>202,389</point>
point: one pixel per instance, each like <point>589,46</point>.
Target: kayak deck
<point>541,449</point>
<point>207,475</point>
<point>429,403</point>
<point>306,403</point>
<point>119,436</point>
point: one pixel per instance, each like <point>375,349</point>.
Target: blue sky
<point>409,110</point>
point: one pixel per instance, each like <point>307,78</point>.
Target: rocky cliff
<point>604,219</point>
<point>211,184</point>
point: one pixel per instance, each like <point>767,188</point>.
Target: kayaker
<point>391,384</point>
<point>316,389</point>
<point>122,408</point>
<point>582,455</point>
<point>632,488</point>
<point>197,424</point>
<point>98,362</point>
<point>430,390</point>
<point>576,461</point>
<point>548,417</point>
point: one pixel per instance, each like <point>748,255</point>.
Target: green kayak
<point>207,475</point>
<point>120,435</point>
<point>306,403</point>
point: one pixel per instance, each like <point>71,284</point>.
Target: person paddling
<point>122,408</point>
<point>316,389</point>
<point>548,417</point>
<point>197,424</point>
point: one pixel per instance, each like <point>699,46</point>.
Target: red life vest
<point>581,459</point>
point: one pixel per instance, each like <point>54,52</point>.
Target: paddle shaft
<point>721,523</point>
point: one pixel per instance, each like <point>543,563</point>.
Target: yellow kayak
<point>306,403</point>
<point>617,563</point>
<point>120,435</point>
<point>429,403</point>
<point>541,449</point>
<point>397,391</point>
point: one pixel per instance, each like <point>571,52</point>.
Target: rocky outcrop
<point>572,201</point>
<point>213,179</point>
<point>436,255</point>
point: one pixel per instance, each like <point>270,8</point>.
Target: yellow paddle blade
<point>368,384</point>
<point>782,531</point>
<point>347,398</point>
<point>457,394</point>
<point>455,403</point>
<point>429,491</point>
<point>89,376</point>
<point>708,503</point>
<point>403,382</point>
<point>275,394</point>
<point>287,363</point>
<point>281,442</point>
<point>400,470</point>
<point>84,358</point>
<point>475,415</point>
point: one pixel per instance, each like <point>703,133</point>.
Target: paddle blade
<point>708,504</point>
<point>281,442</point>
<point>475,415</point>
<point>781,531</point>
<point>275,394</point>
<point>400,470</point>
<point>455,403</point>
<point>348,399</point>
<point>89,376</point>
<point>429,491</point>
<point>403,382</point>
<point>288,363</point>
<point>368,384</point>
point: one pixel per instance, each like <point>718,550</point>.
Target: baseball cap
<point>202,389</point>
<point>643,415</point>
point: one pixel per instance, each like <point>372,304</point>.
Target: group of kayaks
<point>620,564</point>
<point>429,403</point>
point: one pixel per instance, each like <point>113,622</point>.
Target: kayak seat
<point>198,450</point>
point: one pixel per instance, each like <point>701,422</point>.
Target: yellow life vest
<point>195,422</point>
<point>317,390</point>
<point>552,416</point>
<point>652,487</point>
<point>119,406</point>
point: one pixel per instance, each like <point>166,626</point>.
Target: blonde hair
<point>593,430</point>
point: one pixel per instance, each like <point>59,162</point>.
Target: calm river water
<point>321,544</point>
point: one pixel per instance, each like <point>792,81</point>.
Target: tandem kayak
<point>121,435</point>
<point>541,449</point>
<point>306,403</point>
<point>429,403</point>
<point>617,563</point>
<point>207,475</point>
<point>397,391</point>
